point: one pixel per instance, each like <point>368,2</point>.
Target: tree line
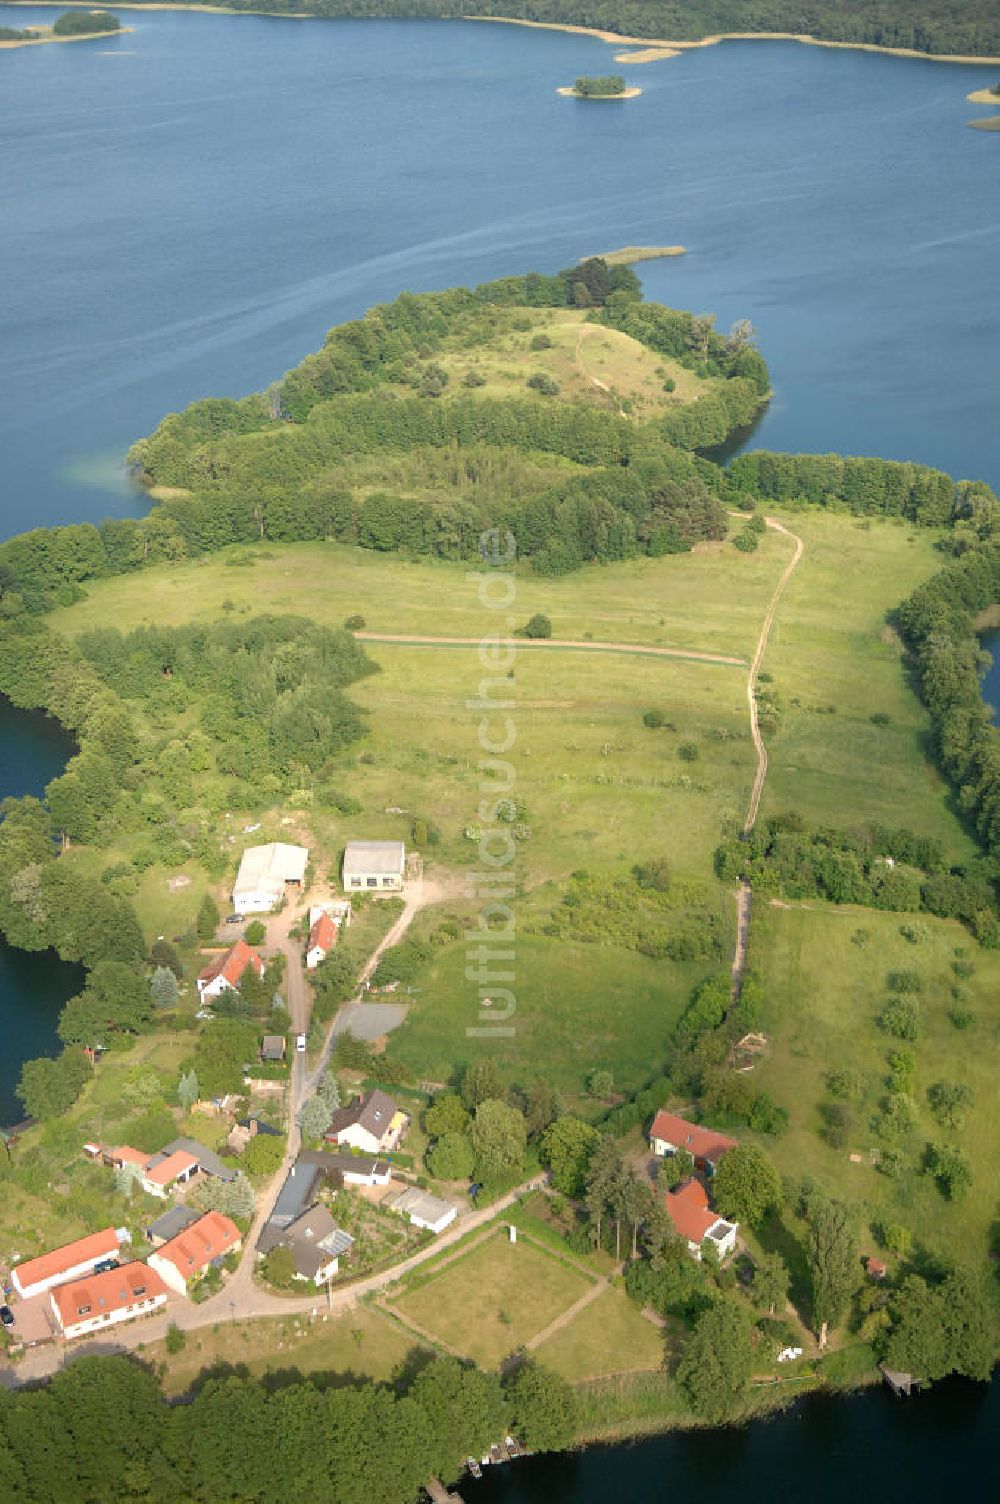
<point>285,485</point>
<point>100,1432</point>
<point>874,866</point>
<point>931,26</point>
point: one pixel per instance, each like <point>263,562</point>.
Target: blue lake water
<point>187,208</point>
<point>33,986</point>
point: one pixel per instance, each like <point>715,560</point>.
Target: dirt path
<point>404,639</point>
<point>743,896</point>
<point>570,1314</point>
<point>755,662</point>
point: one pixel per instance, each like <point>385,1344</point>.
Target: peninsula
<point>632,253</point>
<point>72,26</point>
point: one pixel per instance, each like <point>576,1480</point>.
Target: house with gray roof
<point>425,1210</point>
<point>208,1160</point>
<point>354,1169</point>
<point>170,1225</point>
<point>374,866</point>
<point>373,1123</point>
<point>317,1245</point>
<point>297,1193</point>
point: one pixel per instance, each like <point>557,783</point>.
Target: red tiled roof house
<point>191,1252</point>
<point>226,970</point>
<point>101,1300</point>
<point>35,1276</point>
<point>322,938</point>
<point>695,1221</point>
<point>668,1133</point>
<point>168,1169</point>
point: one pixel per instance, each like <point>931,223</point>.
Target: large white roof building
<point>374,865</point>
<point>264,873</point>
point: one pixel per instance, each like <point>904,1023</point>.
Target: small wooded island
<point>72,26</point>
<point>606,86</point>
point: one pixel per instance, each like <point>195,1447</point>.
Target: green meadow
<point>825,986</point>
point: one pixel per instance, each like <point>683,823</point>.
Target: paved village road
<point>247,1301</point>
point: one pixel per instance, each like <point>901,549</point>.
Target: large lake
<point>185,210</point>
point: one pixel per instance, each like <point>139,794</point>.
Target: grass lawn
<point>490,1301</point>
<point>362,1344</point>
<point>597,787</point>
<point>712,599</point>
<point>577,1006</point>
<point>578,353</point>
<point>823,995</point>
<point>608,1336</point>
<point>831,645</point>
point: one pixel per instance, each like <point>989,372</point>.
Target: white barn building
<point>374,866</point>
<point>265,872</point>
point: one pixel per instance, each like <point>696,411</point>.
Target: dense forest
<point>100,1433</point>
<point>358,444</point>
<point>933,26</point>
<point>85,23</point>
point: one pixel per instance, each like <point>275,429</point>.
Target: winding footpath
<point>743,893</point>
<point>636,649</point>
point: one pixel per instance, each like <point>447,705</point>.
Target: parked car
<point>300,1044</point>
<point>105,1265</point>
<point>6,1315</point>
<point>234,918</point>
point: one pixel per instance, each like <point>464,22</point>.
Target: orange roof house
<point>64,1263</point>
<point>322,938</point>
<point>191,1251</point>
<point>124,1154</point>
<point>163,1169</point>
<point>100,1300</point>
<point>706,1146</point>
<point>227,969</point>
<point>695,1221</point>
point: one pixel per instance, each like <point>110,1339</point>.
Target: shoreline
<point>663,47</point>
<point>568,92</point>
<point>984,96</point>
<point>628,255</point>
<point>46,34</point>
<point>649,49</point>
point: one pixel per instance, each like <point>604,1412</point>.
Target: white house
<point>224,973</point>
<point>184,1257</point>
<point>265,872</point>
<point>425,1210</point>
<point>372,1123</point>
<point>374,866</point>
<point>695,1221</point>
<point>102,1300</point>
<point>322,938</point>
<point>167,1169</point>
<point>317,1245</point>
<point>68,1262</point>
<point>668,1133</point>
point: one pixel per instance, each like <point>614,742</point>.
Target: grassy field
<point>578,1006</point>
<point>361,1344</point>
<point>823,995</point>
<point>490,1301</point>
<point>711,600</point>
<point>608,1336</point>
<point>597,787</point>
<point>832,646</point>
<point>590,363</point>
